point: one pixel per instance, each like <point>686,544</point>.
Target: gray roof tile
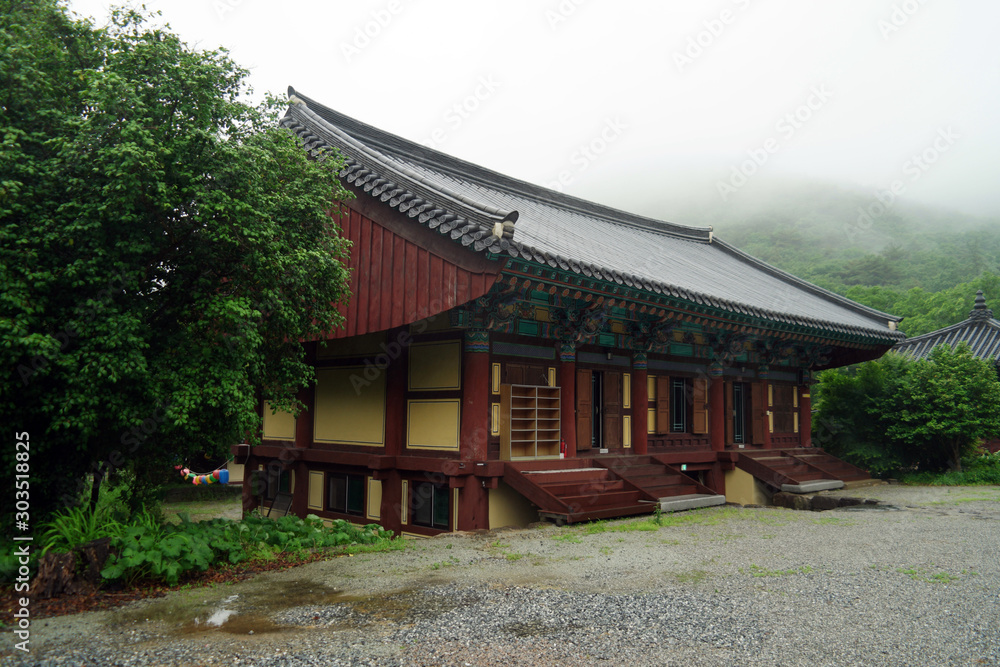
<point>981,331</point>
<point>465,201</point>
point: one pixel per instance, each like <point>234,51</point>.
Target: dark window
<point>277,482</point>
<point>429,505</point>
<point>345,493</point>
<point>679,389</point>
<point>741,412</point>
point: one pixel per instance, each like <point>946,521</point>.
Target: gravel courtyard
<point>915,581</point>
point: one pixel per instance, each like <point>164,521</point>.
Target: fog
<point>688,111</point>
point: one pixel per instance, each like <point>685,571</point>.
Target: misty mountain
<point>919,262</point>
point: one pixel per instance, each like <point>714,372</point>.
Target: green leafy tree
<point>949,402</point>
<point>164,248</point>
<point>894,413</point>
<point>852,421</point>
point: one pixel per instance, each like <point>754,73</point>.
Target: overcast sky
<point>688,101</point>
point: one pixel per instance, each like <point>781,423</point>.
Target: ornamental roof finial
<point>980,311</point>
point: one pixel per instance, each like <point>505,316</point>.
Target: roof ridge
<point>804,284</point>
<point>964,324</point>
<point>492,213</point>
<point>497,180</point>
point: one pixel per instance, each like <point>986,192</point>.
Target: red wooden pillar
<point>640,401</point>
<point>475,427</point>
<point>567,390</point>
<point>766,399</point>
<point>395,396</point>
<point>717,412</point>
<point>805,416</point>
<point>473,505</point>
<point>292,457</point>
<point>391,510</point>
<point>249,493</point>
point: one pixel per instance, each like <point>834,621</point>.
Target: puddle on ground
<point>291,606</point>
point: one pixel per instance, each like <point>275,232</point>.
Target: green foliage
<point>164,552</point>
<point>851,421</point>
<point>164,247</point>
<point>896,414</point>
<point>76,526</point>
<point>977,470</point>
<point>10,563</point>
<point>949,403</point>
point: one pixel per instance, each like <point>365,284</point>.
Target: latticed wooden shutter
<point>758,407</point>
<point>584,409</point>
<point>699,412</point>
<point>730,410</point>
<point>611,409</point>
<point>662,404</point>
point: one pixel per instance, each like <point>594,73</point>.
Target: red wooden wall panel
<point>395,281</point>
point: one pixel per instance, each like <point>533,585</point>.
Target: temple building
<point>510,352</point>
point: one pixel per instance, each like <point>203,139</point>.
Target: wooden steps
<point>672,488</point>
<point>800,470</point>
<point>570,495</point>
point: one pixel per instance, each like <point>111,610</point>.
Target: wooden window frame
<point>348,478</point>
<point>439,495</point>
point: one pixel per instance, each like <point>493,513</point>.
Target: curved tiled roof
<point>981,331</point>
<point>468,202</point>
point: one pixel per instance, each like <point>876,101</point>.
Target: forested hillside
<point>916,262</point>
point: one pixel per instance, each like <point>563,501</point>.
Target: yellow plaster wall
<point>435,366</point>
<point>278,425</point>
<point>510,508</point>
<point>349,412</point>
<point>743,488</point>
<point>374,499</point>
<point>433,424</point>
<point>315,501</point>
<point>236,472</point>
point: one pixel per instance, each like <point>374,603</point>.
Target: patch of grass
<point>691,577</point>
<point>758,571</point>
<point>924,574</point>
<point>645,524</point>
<point>977,497</point>
<point>572,538</point>
<point>452,560</point>
<point>832,521</point>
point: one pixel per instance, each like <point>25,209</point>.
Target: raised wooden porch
<point>799,470</point>
<point>587,489</point>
